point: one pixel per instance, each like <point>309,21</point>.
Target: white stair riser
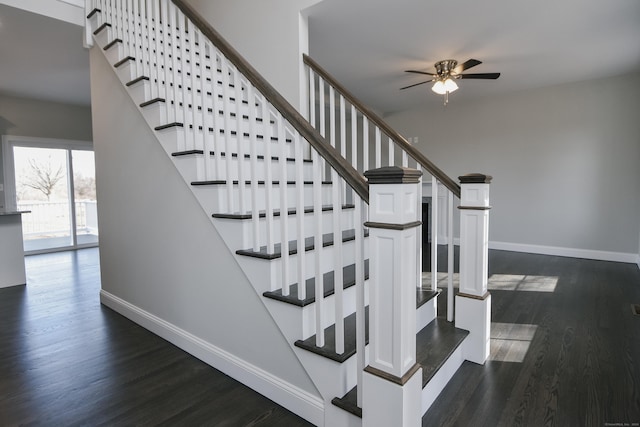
<point>243,229</point>
<point>104,36</point>
<point>258,270</point>
<point>299,322</point>
<point>330,378</point>
<point>162,113</point>
<point>191,167</point>
<point>165,76</point>
<point>114,53</point>
<point>177,138</point>
<point>307,318</point>
<point>140,92</point>
<point>213,198</point>
<point>426,313</point>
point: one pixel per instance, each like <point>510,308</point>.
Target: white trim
<point>559,251</point>
<point>76,3</point>
<point>567,252</point>
<point>70,11</point>
<point>293,398</point>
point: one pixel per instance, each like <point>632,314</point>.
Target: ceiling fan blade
<point>466,65</point>
<point>479,76</point>
<point>419,72</point>
<point>417,84</point>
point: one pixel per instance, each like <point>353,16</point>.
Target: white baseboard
<point>285,394</point>
<point>638,261</point>
<point>567,252</point>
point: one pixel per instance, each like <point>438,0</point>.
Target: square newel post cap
<point>393,175</point>
<point>475,178</point>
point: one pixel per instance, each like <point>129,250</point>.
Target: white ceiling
<point>42,58</point>
<point>367,44</point>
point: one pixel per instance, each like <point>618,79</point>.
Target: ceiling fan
<point>446,72</point>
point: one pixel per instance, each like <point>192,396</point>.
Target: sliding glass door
<point>56,183</point>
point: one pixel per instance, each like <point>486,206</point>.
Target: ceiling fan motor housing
<point>444,68</point>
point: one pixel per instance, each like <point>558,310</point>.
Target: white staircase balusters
<point>253,143</point>
<point>450,254</point>
<point>434,233</point>
<point>365,147</point>
<point>301,231</point>
<point>269,196</point>
<point>157,69</point>
<point>208,119</point>
<point>172,103</point>
<point>284,206</point>
<point>336,188</point>
<point>378,148</point>
<point>397,152</point>
<point>322,107</point>
<point>242,175</point>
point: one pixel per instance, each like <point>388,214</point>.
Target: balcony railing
<point>53,219</point>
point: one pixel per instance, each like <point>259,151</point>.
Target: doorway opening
<point>55,182</point>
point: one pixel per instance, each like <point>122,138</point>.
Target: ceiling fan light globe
<point>439,88</point>
<point>450,85</point>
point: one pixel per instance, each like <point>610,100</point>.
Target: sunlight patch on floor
<point>502,282</point>
<point>510,341</point>
<point>518,282</point>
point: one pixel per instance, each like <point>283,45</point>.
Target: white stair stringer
<point>335,378</point>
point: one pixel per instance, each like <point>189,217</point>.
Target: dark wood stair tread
<point>276,212</point>
<point>211,129</point>
<point>329,349</point>
<point>93,12</point>
<point>235,182</point>
<point>223,154</point>
<point>327,240</point>
<point>349,402</point>
<point>434,344</point>
<point>423,295</point>
<point>349,279</point>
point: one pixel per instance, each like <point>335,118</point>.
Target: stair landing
<point>435,343</point>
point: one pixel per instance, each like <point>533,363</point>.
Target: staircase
<point>287,195</point>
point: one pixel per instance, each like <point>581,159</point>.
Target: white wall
<point>638,260</point>
<point>271,35</point>
<point>43,119</point>
<point>69,11</point>
<point>159,250</point>
<point>565,162</point>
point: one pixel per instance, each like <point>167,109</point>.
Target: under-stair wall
<point>164,265</point>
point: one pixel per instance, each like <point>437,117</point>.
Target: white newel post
<point>392,382</point>
<point>473,302</point>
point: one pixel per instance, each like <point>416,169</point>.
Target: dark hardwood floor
<point>65,360</point>
<point>582,364</point>
<point>574,354</point>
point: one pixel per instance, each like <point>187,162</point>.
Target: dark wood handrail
<point>308,132</point>
<point>427,164</point>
